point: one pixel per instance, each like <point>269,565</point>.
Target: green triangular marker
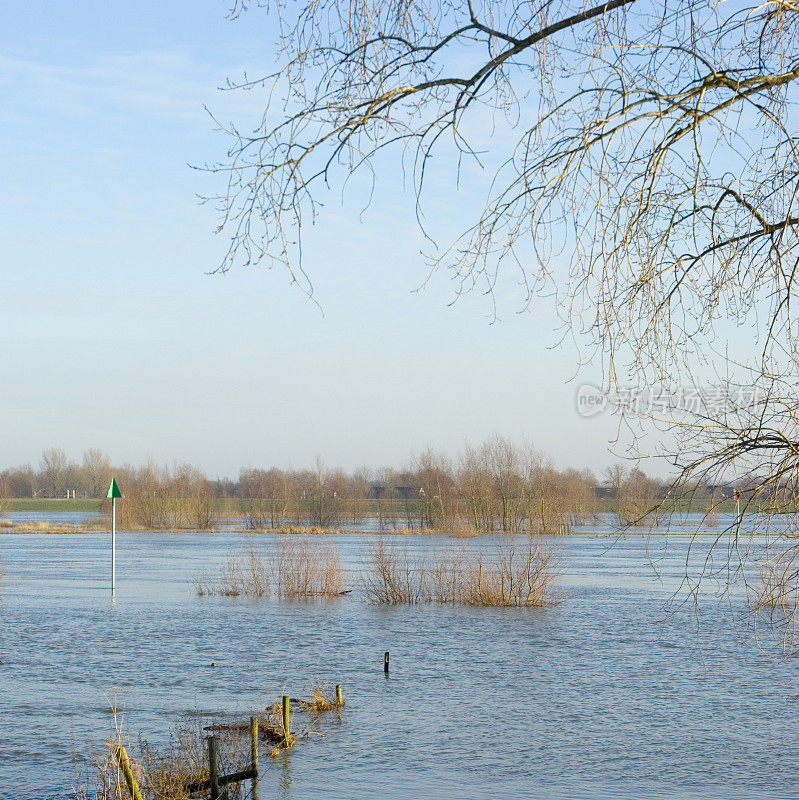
<point>113,489</point>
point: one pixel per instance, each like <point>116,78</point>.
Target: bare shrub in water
<point>245,574</point>
<point>774,600</point>
<point>391,577</point>
<point>777,588</point>
<point>303,568</point>
<point>512,575</point>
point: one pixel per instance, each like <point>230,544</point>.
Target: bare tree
<point>53,471</point>
<point>643,159</point>
<point>646,179</point>
<point>21,481</point>
<point>96,471</point>
<point>658,132</point>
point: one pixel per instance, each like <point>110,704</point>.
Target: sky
<point>115,334</point>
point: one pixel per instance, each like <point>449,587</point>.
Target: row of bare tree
<point>496,486</point>
<point>57,475</point>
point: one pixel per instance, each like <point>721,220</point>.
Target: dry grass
<point>511,575</point>
<point>299,568</point>
<point>320,703</point>
<point>91,526</point>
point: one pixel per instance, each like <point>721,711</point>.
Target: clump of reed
<point>299,568</point>
<point>514,574</point>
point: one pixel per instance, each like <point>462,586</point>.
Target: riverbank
<point>103,526</point>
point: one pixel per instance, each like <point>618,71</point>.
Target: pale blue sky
<point>115,337</point>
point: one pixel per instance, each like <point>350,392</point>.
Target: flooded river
<point>601,696</point>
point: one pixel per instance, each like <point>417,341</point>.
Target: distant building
<point>724,490</point>
<point>398,492</point>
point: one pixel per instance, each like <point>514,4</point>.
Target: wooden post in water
<point>339,699</point>
<point>254,750</point>
<point>385,662</point>
<point>286,732</point>
<point>127,771</point>
<point>213,768</point>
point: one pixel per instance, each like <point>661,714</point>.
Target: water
<point>598,697</point>
<point>54,517</point>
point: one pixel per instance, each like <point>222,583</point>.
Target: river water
<point>601,696</point>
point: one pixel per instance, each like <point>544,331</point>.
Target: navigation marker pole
<point>113,493</point>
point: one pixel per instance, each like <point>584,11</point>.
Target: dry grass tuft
<point>513,575</point>
<point>319,703</point>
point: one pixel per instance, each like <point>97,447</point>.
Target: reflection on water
<point>601,696</point>
<point>285,775</point>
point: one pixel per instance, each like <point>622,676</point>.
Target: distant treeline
<point>498,485</point>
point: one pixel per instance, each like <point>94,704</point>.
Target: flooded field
<point>601,696</point>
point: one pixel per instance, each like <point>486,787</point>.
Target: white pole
<point>113,546</point>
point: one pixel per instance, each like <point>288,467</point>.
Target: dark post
<point>213,768</point>
<point>385,662</point>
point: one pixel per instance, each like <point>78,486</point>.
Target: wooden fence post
<point>286,732</point>
<point>385,662</point>
<point>213,768</point>
<point>127,771</point>
<point>254,747</point>
<point>288,738</point>
<point>339,699</point>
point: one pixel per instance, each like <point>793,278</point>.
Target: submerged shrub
<point>391,577</point>
<point>305,567</point>
<point>514,574</point>
<point>301,567</point>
